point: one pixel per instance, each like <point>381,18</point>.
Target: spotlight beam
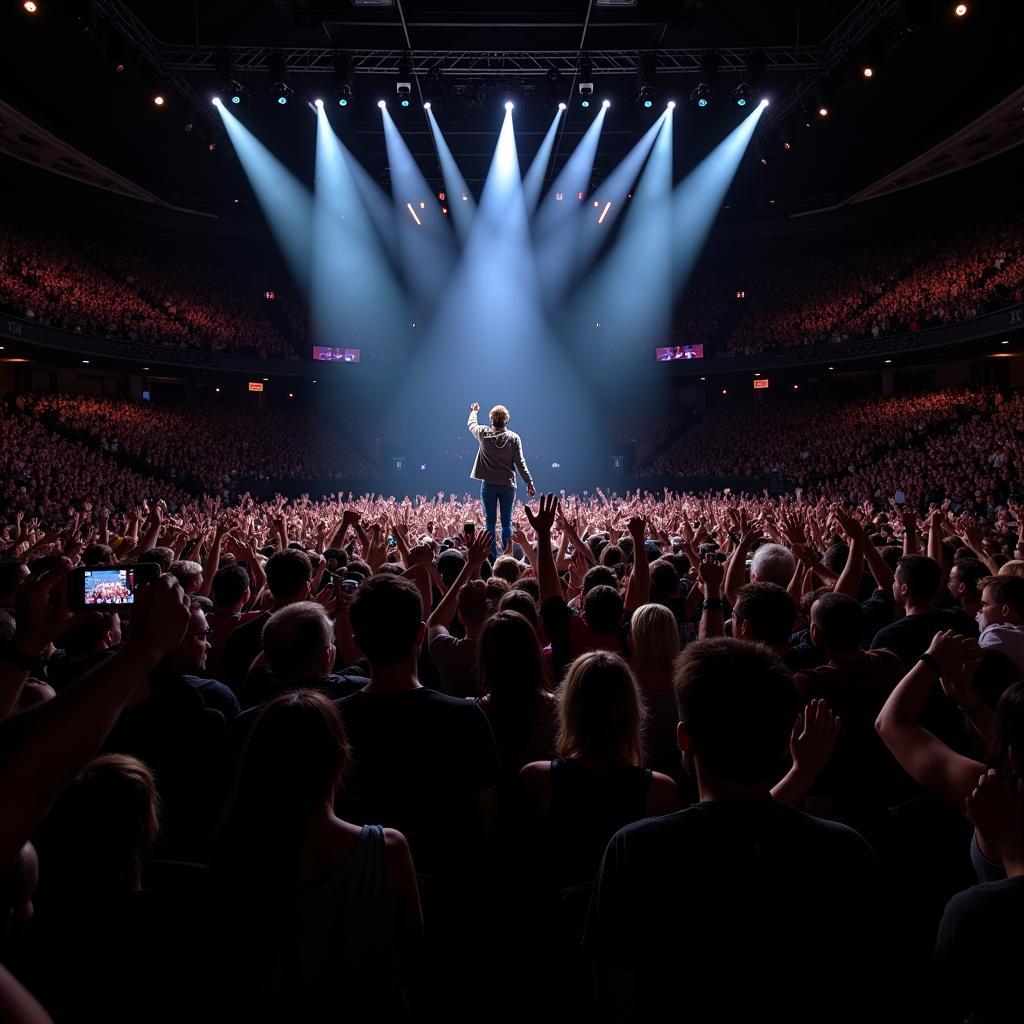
<point>534,180</point>
<point>426,248</point>
<point>285,202</point>
<point>455,185</point>
<point>356,297</point>
<point>564,254</point>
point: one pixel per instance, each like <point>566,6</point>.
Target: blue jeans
<point>491,497</point>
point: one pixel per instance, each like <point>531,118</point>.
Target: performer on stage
<point>500,455</point>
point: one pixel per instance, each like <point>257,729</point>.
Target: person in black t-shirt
<point>916,589</point>
<point>423,762</point>
<point>738,900</point>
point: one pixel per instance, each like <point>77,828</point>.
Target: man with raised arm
<point>500,455</point>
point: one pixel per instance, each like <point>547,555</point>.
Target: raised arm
<point>474,428</point>
<point>925,757</point>
<point>638,591</point>
<point>542,520</point>
<point>440,620</point>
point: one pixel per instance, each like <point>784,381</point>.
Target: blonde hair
<point>601,714</point>
<point>499,416</point>
<point>655,635</point>
<point>1015,567</point>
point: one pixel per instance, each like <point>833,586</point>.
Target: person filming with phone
<point>500,455</point>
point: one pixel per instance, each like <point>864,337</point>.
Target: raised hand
<point>996,810</point>
<point>160,617</point>
<point>477,553</point>
<point>711,572</point>
<point>814,737</point>
<point>475,407</point>
<point>544,518</point>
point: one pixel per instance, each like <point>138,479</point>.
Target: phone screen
<point>108,586</point>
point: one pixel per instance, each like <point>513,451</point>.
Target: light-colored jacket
<point>500,455</point>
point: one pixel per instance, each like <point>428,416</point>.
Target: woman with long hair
<point>596,783</point>
<point>654,642</point>
<point>522,713</point>
<point>326,913</point>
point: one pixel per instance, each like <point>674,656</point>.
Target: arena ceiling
<point>934,74</point>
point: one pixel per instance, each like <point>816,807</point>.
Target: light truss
<point>518,63</point>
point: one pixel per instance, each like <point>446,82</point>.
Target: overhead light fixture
<point>343,94</point>
<point>702,95</point>
<point>561,106</point>
<point>509,106</point>
<point>236,92</point>
<point>280,90</point>
<point>648,89</point>
<point>671,105</point>
<point>158,100</point>
<point>435,87</point>
<point>606,104</point>
<point>960,10</point>
<point>585,73</point>
<point>403,87</point>
<point>426,106</point>
<point>382,104</point>
<point>741,94</point>
<point>30,7</point>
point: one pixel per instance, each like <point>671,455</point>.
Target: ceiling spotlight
<point>671,104</point>
<point>509,105</point>
<point>960,10</point>
<point>823,111</point>
<point>235,92</point>
<point>585,73</point>
<point>342,79</point>
<point>382,104</point>
<point>701,95</point>
<point>606,103</point>
<point>426,106</point>
<point>648,88</point>
<point>404,85</point>
<point>741,94</point>
<point>30,7</point>
<point>158,100</point>
<point>561,106</point>
<point>216,102</point>
<point>584,103</point>
<point>868,72</point>
<point>279,87</point>
<point>319,104</point>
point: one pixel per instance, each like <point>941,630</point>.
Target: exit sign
<point>255,385</point>
<point>760,383</point>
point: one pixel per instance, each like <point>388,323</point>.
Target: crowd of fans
<point>810,441</point>
<point>755,746</point>
<point>882,289</point>
<point>113,291</point>
<point>217,448</point>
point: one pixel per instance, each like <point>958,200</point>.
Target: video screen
<point>109,586</point>
<point>666,355</point>
<point>323,354</point>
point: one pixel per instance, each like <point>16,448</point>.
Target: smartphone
<point>469,529</point>
<point>109,586</point>
<point>392,542</point>
<point>348,584</point>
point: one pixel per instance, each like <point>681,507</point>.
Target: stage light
<point>279,87</point>
<point>426,106</point>
<point>561,106</point>
<point>30,7</point>
<point>647,89</point>
<point>606,104</point>
<point>701,95</point>
<point>235,92</point>
<point>741,94</point>
<point>868,72</point>
<point>403,87</point>
<point>382,104</point>
<point>585,73</point>
<point>823,111</point>
<point>509,105</point>
<point>215,101</point>
<point>319,104</point>
<point>671,105</point>
<point>158,100</point>
<point>960,10</point>
<point>584,103</point>
<point>342,79</point>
